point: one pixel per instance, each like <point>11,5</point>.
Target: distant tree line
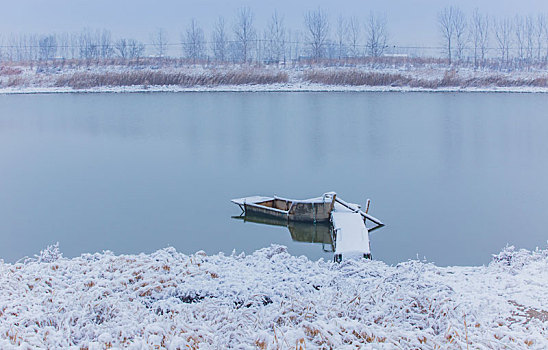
<point>87,44</point>
<point>472,39</point>
<point>236,41</point>
<point>514,42</point>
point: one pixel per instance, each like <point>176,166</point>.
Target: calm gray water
<point>454,176</point>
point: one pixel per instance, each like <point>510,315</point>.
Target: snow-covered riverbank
<point>272,300</point>
<point>302,87</point>
<point>235,78</point>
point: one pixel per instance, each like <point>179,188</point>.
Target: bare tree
<point>16,51</point>
<point>245,34</point>
<point>480,36</point>
<point>447,29</point>
<point>105,44</point>
<point>519,31</point>
<point>136,49</point>
<point>219,42</point>
<point>529,38</point>
<point>74,45</point>
<point>377,35</point>
<point>10,50</point>
<point>159,42</point>
<point>27,47</point>
<point>276,38</point>
<point>63,43</point>
<point>194,41</point>
<point>88,44</point>
<point>317,26</point>
<point>546,38</point>
<point>354,35</point>
<point>295,39</point>
<point>503,31</point>
<point>342,33</point>
<point>17,46</point>
<point>459,23</point>
<point>122,48</point>
<point>540,33</point>
<point>48,47</point>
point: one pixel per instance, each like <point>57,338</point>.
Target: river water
<point>455,176</point>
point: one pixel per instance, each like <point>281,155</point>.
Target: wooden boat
<point>347,233</point>
<point>309,210</point>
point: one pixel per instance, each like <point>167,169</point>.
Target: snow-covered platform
<point>350,235</point>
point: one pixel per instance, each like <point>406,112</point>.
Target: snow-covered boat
<point>349,235</point>
<point>309,210</point>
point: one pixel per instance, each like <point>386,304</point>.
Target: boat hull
<point>312,210</point>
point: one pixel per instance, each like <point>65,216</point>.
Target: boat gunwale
<point>268,208</point>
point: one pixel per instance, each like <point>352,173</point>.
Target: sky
<point>410,22</point>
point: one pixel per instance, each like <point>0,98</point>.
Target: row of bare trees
<point>517,41</point>
<point>87,44</point>
<point>244,43</point>
<point>238,41</point>
<point>474,38</point>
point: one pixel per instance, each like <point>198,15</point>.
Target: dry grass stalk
<point>466,331</point>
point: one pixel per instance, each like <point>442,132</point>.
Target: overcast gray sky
<point>410,22</point>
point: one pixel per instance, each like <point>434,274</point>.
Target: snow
<point>251,199</point>
<point>326,197</point>
<point>352,237</point>
<point>271,299</point>
<point>258,199</point>
<point>289,87</point>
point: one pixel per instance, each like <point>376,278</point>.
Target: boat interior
<point>280,204</point>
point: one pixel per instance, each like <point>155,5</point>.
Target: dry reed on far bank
<point>450,78</point>
<point>83,80</point>
<point>355,78</point>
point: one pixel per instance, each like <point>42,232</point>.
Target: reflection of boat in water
<point>307,221</point>
<point>300,231</point>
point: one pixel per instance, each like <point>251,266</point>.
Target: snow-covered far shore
<point>235,78</point>
<point>297,87</point>
<point>271,300</point>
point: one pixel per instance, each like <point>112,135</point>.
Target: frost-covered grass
<point>271,300</point>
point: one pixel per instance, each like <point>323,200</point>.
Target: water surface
<point>454,176</point>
